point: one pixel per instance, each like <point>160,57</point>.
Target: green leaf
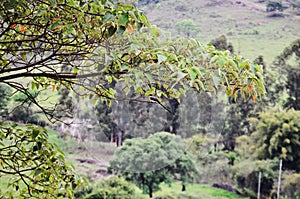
<point>150,92</point>
<point>35,133</point>
<point>193,73</point>
<point>200,83</point>
<point>180,75</point>
<point>69,29</point>
<point>144,19</point>
<point>23,55</point>
<point>123,19</point>
<point>124,67</point>
<point>149,77</point>
<point>58,149</point>
<point>161,58</point>
<point>245,64</point>
<point>33,85</point>
<point>75,70</point>
<point>38,171</point>
<point>108,17</point>
<point>216,79</point>
<point>221,61</point>
<point>55,25</point>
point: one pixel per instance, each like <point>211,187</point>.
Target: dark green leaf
<point>38,171</point>
<point>121,30</point>
<point>111,31</point>
<point>123,19</point>
<point>35,133</point>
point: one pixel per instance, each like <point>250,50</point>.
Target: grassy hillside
<point>245,23</point>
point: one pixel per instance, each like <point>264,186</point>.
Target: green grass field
<point>194,191</point>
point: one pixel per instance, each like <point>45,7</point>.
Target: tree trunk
<point>183,188</point>
<point>150,191</point>
<point>112,135</point>
<point>120,133</point>
<point>172,117</point>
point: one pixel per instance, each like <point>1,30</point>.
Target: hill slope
<point>245,23</point>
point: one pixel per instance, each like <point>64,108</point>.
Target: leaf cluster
<point>36,168</point>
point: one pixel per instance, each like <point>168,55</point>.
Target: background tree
<point>186,168</point>
<point>187,27</point>
<point>290,185</point>
<point>273,6</point>
<point>149,162</point>
<point>220,43</point>
<point>287,64</point>
<point>276,135</point>
<point>23,111</point>
<point>236,123</point>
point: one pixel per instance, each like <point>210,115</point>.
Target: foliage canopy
<point>85,46</point>
<point>277,136</point>
<point>149,162</point>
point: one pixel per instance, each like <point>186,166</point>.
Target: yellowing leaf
<point>254,98</point>
<point>22,28</point>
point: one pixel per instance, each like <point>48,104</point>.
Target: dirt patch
<point>91,161</point>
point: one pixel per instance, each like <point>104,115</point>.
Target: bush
<point>290,185</point>
<point>166,196</point>
<point>83,191</point>
<point>112,188</point>
<point>214,168</point>
<point>247,177</point>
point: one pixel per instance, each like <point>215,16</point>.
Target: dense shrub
<point>83,191</point>
<point>247,174</point>
<point>112,188</point>
<point>276,135</point>
<point>214,168</point>
<point>290,185</point>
